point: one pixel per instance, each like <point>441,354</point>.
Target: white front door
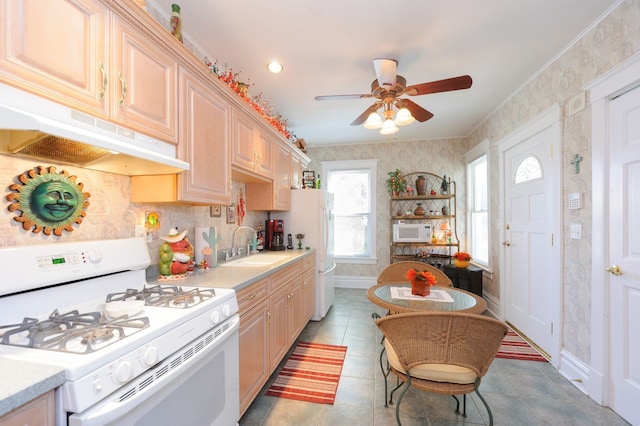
<point>531,242</point>
<point>624,254</point>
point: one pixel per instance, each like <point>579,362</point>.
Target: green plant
<point>395,182</point>
<point>444,186</point>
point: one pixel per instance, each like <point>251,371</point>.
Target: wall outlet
<point>140,231</point>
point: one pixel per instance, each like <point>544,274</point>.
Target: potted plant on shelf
<point>444,186</point>
<point>396,184</point>
<point>462,259</point>
<point>421,282</point>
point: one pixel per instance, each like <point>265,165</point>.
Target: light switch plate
<point>575,231</point>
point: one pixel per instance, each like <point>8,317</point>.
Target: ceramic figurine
<point>176,256</point>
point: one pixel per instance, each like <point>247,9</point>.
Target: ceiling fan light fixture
<point>373,121</point>
<point>388,127</point>
<point>404,117</point>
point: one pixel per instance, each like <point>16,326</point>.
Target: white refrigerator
<point>311,214</point>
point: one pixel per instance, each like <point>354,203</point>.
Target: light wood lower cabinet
<point>273,312</point>
<point>37,412</point>
<point>309,286</point>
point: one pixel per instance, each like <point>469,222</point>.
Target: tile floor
<point>518,392</point>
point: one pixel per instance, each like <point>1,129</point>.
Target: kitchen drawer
<point>250,296</point>
<point>282,277</point>
<point>308,262</point>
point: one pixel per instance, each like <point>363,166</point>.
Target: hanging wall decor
<point>50,202</point>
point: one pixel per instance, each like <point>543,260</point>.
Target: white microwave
<point>411,232</point>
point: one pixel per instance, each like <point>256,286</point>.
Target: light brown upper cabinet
<point>252,148</point>
<point>82,55</point>
<point>57,50</point>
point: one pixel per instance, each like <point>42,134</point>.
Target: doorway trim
<point>547,119</point>
<point>603,89</point>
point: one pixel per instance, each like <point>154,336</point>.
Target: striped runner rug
<point>311,373</point>
<point>515,347</point>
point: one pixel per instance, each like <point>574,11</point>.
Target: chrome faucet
<point>235,231</point>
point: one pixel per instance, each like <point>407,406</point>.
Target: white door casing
<point>530,287</point>
<point>608,364</point>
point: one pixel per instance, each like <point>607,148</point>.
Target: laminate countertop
<point>22,381</point>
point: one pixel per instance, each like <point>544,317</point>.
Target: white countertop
<point>20,381</point>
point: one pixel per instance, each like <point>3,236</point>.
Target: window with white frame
<point>354,193</point>
<point>478,204</point>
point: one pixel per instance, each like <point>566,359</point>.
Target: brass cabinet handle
<point>614,270</point>
<point>123,88</point>
<point>104,80</point>
<point>251,296</point>
<point>268,318</point>
<point>506,243</point>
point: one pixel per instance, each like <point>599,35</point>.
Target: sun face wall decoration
<point>48,201</point>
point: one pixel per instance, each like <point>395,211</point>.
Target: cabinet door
<point>244,136</point>
<point>278,325</point>
<point>37,412</point>
<point>296,309</point>
<point>264,148</point>
<point>56,49</point>
<point>309,292</point>
<point>296,172</point>
<point>205,121</point>
<point>281,178</point>
<point>143,84</point>
<point>254,353</point>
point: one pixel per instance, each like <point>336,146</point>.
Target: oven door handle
<point>111,410</point>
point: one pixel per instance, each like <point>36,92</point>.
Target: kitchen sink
<point>257,260</point>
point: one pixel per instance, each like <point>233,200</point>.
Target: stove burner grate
<point>71,332</point>
<point>165,296</point>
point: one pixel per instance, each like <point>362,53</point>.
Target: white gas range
<point>133,353</point>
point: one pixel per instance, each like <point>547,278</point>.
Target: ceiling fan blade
<point>446,85</point>
<point>340,97</point>
<point>416,110</point>
<point>363,117</point>
<point>386,71</point>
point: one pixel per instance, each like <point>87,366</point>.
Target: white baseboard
<point>363,283</point>
<point>575,371</point>
<point>493,306</point>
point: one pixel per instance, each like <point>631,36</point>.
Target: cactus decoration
<point>212,239</point>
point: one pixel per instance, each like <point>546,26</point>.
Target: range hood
<point>33,127</point>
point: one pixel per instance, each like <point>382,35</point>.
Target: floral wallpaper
<point>607,44</point>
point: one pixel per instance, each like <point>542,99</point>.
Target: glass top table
<point>463,301</point>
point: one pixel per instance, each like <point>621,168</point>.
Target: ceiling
<point>327,48</point>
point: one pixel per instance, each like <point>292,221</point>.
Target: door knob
<point>614,270</point>
<point>506,243</point>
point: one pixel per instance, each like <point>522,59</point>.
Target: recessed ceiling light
<point>275,67</point>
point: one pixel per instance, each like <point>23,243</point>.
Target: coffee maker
<point>274,234</point>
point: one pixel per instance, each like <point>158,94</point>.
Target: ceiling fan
<point>388,87</point>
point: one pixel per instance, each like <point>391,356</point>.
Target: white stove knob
<point>215,317</point>
<point>94,256</point>
<point>123,372</point>
<point>226,310</point>
<point>150,356</point>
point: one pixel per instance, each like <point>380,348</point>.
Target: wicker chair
<point>396,272</point>
<point>445,353</point>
